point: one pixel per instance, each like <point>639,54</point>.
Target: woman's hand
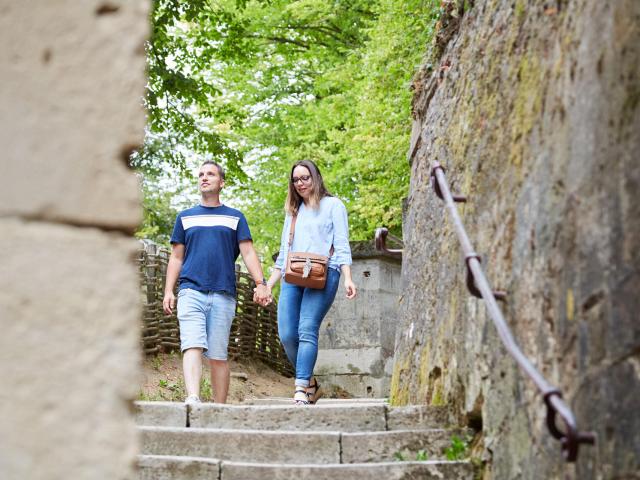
<point>262,295</point>
<point>351,289</point>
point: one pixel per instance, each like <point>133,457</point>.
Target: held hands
<point>262,295</point>
<point>351,289</point>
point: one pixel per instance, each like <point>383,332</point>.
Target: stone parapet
<point>357,337</point>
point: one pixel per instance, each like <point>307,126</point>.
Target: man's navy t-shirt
<point>210,236</point>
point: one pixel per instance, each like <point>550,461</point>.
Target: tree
<point>258,85</point>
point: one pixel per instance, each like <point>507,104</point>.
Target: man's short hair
<point>220,168</point>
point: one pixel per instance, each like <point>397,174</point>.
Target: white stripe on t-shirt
<point>210,221</point>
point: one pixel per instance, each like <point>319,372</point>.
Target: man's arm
<point>173,272</point>
<point>251,260</point>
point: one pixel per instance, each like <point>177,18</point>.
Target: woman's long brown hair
<point>318,190</point>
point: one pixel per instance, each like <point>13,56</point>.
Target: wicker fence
<point>254,332</point>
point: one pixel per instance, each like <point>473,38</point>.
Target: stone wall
<point>534,110</point>
<point>356,341</point>
<point>71,83</point>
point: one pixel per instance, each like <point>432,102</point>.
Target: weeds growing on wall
<point>459,448</point>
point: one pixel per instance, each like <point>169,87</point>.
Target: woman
<point>321,222</point>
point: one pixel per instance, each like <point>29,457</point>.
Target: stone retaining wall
<point>534,110</point>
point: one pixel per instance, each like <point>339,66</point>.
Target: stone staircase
<point>274,440</point>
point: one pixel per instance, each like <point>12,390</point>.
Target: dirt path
<point>163,380</point>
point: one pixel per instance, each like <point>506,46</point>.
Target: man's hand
<point>173,271</point>
<point>262,295</point>
<point>169,303</point>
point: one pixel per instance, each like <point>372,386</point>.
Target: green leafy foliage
<point>421,456</point>
<point>175,391</point>
<point>459,448</point>
<point>260,84</point>
<point>398,456</point>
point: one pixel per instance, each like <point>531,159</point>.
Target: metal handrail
<point>381,242</point>
<point>570,438</point>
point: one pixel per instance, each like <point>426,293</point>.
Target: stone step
<point>330,417</point>
<point>171,467</point>
<point>241,445</point>
<point>322,401</point>
<point>321,417</point>
<point>417,416</point>
<point>292,447</point>
<point>158,467</point>
<point>363,447</point>
<point>161,414</point>
<point>385,470</point>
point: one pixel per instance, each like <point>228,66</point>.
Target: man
<point>206,241</point>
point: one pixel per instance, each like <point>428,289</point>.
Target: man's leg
<point>193,337</point>
<point>219,319</point>
<point>192,368</point>
<point>220,375</point>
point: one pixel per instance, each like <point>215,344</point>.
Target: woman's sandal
<point>314,395</point>
<point>300,397</point>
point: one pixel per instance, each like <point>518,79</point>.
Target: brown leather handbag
<point>305,269</point>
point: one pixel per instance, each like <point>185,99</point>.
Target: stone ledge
<point>385,470</point>
<point>230,444</point>
<point>172,467</point>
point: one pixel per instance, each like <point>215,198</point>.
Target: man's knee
<point>193,350</point>
<point>218,363</point>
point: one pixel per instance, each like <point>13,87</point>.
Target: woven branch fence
<point>254,331</point>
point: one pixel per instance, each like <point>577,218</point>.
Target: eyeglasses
<point>302,178</point>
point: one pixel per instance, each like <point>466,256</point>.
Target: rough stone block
<point>321,417</point>
<point>69,352</point>
<point>418,416</point>
<point>349,361</point>
<point>165,467</point>
<point>71,91</point>
<point>161,414</point>
<point>362,386</point>
<point>235,445</point>
<point>341,331</point>
<point>383,446</point>
<point>388,471</point>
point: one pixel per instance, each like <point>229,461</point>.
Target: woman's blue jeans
<point>300,313</point>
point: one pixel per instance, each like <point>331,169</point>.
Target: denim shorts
<point>205,321</point>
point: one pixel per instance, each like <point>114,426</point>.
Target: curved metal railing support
<point>381,242</point>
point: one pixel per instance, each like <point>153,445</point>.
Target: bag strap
<point>292,231</point>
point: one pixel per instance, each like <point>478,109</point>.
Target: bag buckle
<point>307,268</point>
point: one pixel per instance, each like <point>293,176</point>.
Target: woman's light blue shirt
<point>316,231</point>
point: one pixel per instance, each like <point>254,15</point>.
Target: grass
<point>174,391</point>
